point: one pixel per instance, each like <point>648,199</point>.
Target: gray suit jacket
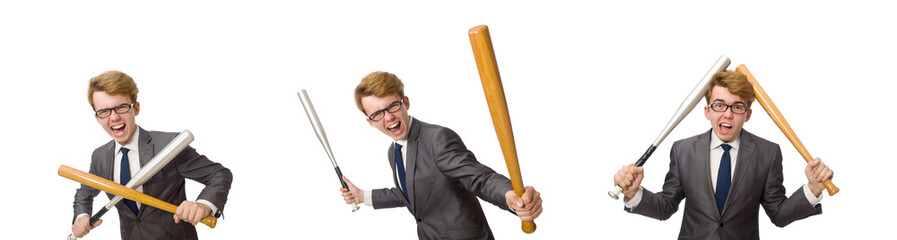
<point>757,181</point>
<point>166,185</point>
<point>444,180</point>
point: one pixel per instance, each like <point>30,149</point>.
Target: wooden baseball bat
<point>780,121</point>
<point>146,172</point>
<point>97,182</point>
<point>322,137</point>
<point>481,43</point>
<point>687,105</point>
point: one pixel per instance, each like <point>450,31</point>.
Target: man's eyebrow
<point>721,101</point>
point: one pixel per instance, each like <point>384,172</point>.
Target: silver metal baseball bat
<point>178,144</point>
<point>687,105</point>
<point>322,136</point>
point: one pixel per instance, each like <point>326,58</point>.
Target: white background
<point>589,85</point>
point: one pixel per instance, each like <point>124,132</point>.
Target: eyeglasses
<point>737,108</point>
<point>393,107</point>
<point>120,109</point>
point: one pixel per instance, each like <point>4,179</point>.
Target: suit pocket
<point>466,233</point>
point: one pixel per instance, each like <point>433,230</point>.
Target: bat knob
<point>615,194</point>
<point>355,207</point>
<point>71,237</point>
<point>528,227</point>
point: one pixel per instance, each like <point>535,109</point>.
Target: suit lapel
<point>108,161</point>
<point>745,154</point>
<point>108,170</point>
<point>147,148</point>
<point>411,161</point>
<point>702,150</point>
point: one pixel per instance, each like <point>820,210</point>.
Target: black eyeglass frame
<point>382,112</point>
<point>106,112</point>
<point>719,104</point>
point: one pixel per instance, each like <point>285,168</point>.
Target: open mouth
<point>119,129</point>
<point>725,128</point>
<point>395,128</point>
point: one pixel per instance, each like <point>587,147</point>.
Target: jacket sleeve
<point>783,211</point>
<point>84,195</point>
<point>387,198</point>
<point>662,205</point>
<point>457,162</point>
<point>214,176</point>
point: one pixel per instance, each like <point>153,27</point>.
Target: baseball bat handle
<point>93,220</point>
<point>97,216</point>
<point>339,174</point>
<point>210,221</point>
<point>830,187</point>
<point>615,193</point>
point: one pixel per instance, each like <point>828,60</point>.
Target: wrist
<point>816,188</point>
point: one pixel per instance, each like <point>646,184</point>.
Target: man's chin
<point>121,139</point>
<point>401,136</point>
<point>728,137</point>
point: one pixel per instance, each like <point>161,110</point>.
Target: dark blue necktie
<point>723,178</point>
<point>400,168</point>
<point>125,177</point>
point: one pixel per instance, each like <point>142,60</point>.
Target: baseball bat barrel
<point>780,121</point>
<point>120,190</point>
<point>322,136</point>
<point>693,98</point>
<point>687,105</point>
<point>487,65</point>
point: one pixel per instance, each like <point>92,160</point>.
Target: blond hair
<point>112,82</point>
<point>378,84</point>
<point>736,83</point>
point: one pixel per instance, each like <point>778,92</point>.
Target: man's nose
<point>114,116</point>
<point>388,116</point>
<point>728,113</point>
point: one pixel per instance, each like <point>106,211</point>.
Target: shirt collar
<point>405,142</point>
<point>715,142</point>
<point>132,144</point>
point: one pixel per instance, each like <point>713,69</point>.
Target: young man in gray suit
<point>726,173</point>
<point>113,96</point>
<point>438,179</point>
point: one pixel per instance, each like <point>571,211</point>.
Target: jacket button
<point>720,224</point>
<point>419,220</point>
